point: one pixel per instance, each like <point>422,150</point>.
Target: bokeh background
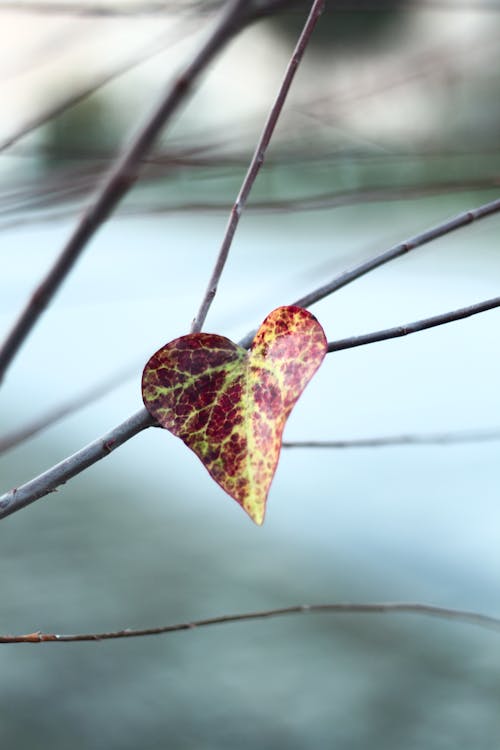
<point>392,126</point>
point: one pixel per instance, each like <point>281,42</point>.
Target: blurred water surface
<point>145,537</point>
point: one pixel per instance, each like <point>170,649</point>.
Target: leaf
<point>229,405</point>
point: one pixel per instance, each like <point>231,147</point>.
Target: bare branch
<point>464,617</point>
<point>257,162</point>
<point>120,179</point>
<point>418,325</point>
<point>430,438</point>
<point>462,220</point>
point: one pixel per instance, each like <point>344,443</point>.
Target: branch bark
<point>465,617</point>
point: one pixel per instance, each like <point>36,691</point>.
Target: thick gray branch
<point>47,482</point>
<point>120,180</point>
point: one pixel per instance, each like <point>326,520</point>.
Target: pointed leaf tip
<point>229,405</point>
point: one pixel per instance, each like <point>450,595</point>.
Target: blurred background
<point>391,127</point>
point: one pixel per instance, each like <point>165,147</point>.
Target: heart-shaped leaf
<point>229,405</point>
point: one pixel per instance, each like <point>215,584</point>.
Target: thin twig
<point>457,222</point>
<point>121,178</point>
<point>465,617</point>
<point>429,438</point>
<point>20,497</point>
<point>257,162</point>
<point>418,325</point>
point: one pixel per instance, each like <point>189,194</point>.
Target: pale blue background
<point>146,538</point>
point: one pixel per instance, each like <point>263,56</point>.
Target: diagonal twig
<point>457,222</point>
<point>121,178</point>
<point>257,162</point>
<point>51,479</point>
<point>465,617</point>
